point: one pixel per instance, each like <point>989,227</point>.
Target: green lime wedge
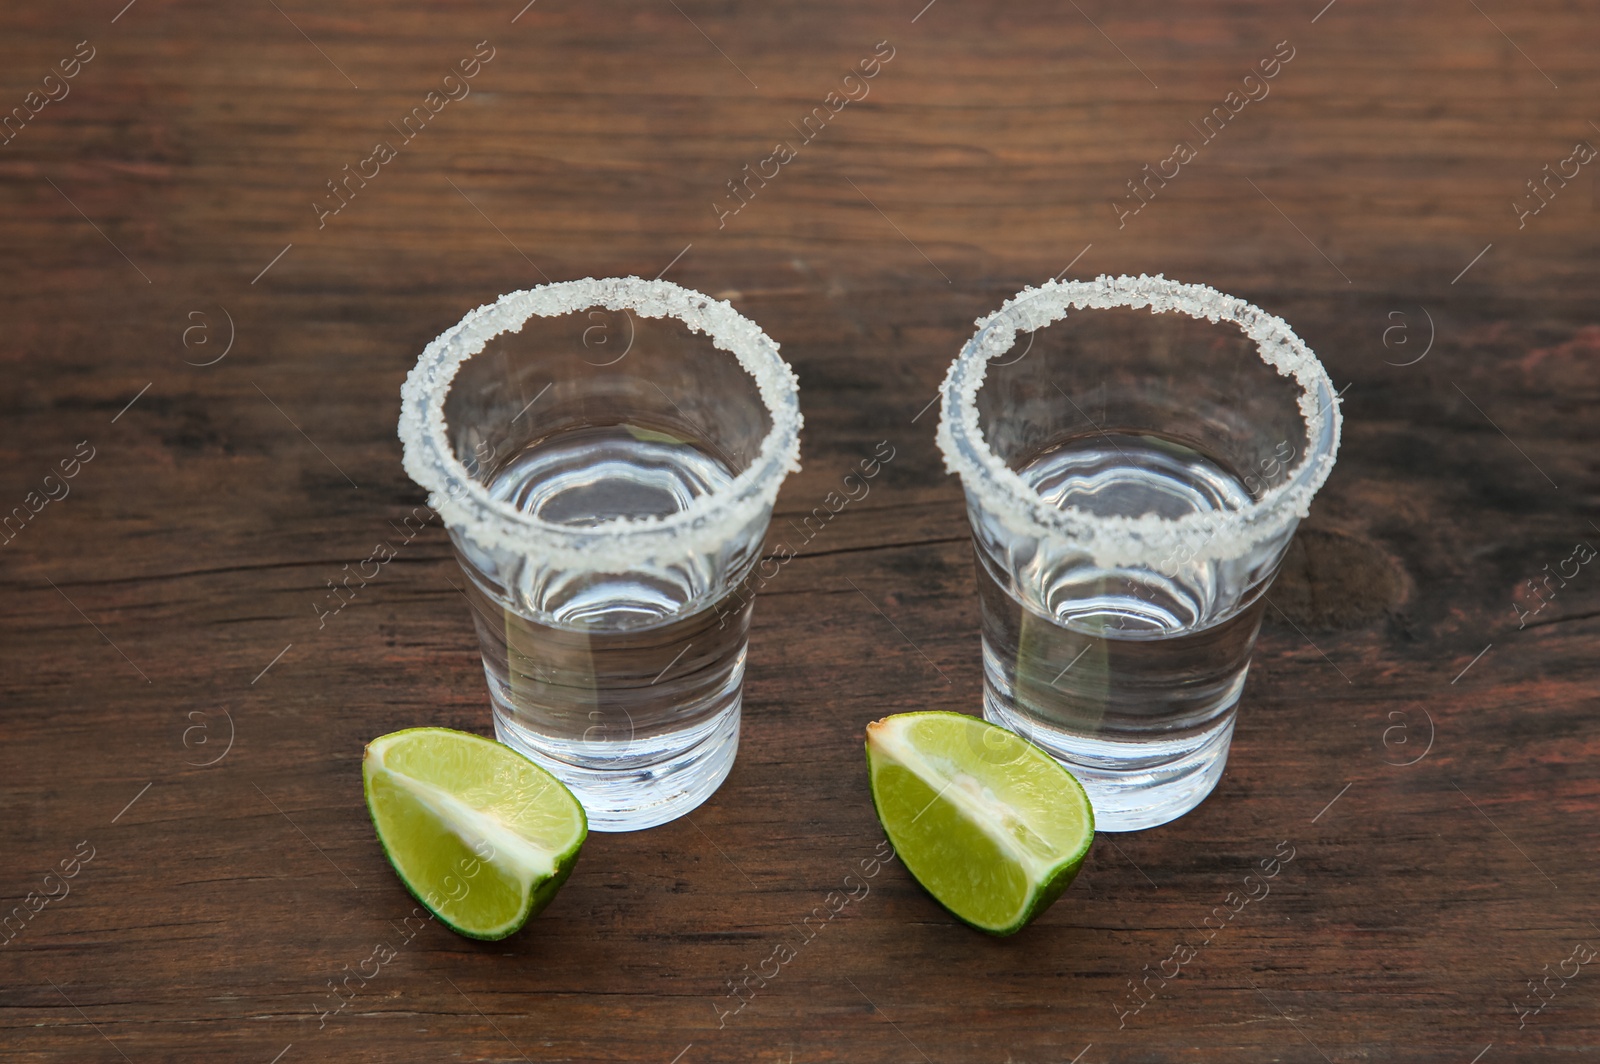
<point>993,827</point>
<point>478,833</point>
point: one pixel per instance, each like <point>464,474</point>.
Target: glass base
<point>1138,797</point>
<point>639,796</point>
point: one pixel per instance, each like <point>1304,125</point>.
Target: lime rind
<point>480,835</point>
<point>990,825</point>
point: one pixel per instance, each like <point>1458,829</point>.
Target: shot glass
<point>605,455</point>
<point>1134,471</point>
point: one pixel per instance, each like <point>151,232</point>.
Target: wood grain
<point>172,588</point>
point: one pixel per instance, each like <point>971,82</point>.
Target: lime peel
<point>990,825</point>
<point>478,833</point>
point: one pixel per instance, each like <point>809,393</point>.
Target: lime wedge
<point>993,827</point>
<point>478,833</point>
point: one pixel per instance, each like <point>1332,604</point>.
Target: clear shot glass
<point>605,455</point>
<point>1134,471</point>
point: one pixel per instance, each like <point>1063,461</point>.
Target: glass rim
<point>1148,539</point>
<point>706,524</point>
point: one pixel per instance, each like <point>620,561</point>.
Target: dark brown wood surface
<point>172,711</point>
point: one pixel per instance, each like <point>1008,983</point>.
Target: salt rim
<point>704,526</point>
<point>1147,539</point>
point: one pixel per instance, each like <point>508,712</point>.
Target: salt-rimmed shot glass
<point>1136,454</point>
<point>605,456</point>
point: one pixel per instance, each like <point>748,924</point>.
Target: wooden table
<point>218,361</point>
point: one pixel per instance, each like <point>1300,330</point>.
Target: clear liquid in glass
<point>1127,675</point>
<point>625,685</point>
